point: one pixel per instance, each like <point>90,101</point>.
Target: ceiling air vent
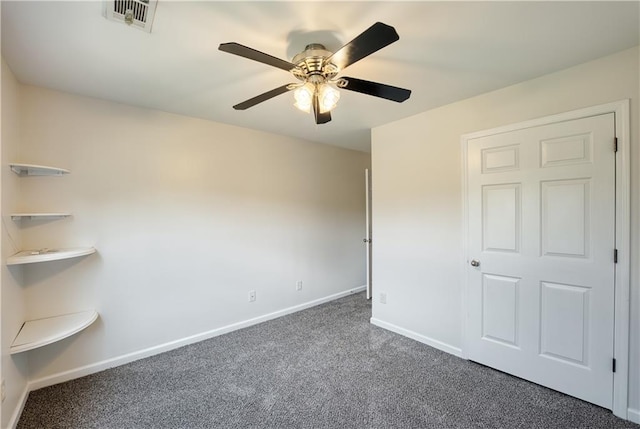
<point>135,13</point>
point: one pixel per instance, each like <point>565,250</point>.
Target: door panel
<point>566,150</point>
<point>565,218</point>
<point>500,309</point>
<point>500,159</point>
<point>501,217</point>
<point>564,318</point>
<point>541,224</point>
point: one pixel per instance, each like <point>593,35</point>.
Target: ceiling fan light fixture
<point>304,97</point>
<point>316,68</point>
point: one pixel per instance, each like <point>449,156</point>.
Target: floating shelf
<point>31,216</point>
<point>40,332</point>
<point>37,170</point>
<point>44,255</point>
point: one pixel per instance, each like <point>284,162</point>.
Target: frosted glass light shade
<point>304,97</point>
<point>328,98</point>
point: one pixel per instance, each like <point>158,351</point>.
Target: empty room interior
<point>320,214</point>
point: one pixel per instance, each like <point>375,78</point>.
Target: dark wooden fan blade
<point>321,118</point>
<point>376,89</point>
<point>371,40</point>
<point>262,97</point>
<point>252,54</point>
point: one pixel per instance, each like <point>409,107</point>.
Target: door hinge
<point>615,144</point>
<point>615,256</point>
<point>613,365</point>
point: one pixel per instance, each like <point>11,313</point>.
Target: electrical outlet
<point>383,298</point>
<point>299,285</point>
<point>3,393</point>
<point>252,295</point>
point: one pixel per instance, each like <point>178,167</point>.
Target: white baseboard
<point>141,354</point>
<point>633,415</point>
<point>13,422</point>
<point>418,337</point>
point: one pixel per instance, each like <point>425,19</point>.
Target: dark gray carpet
<point>325,367</point>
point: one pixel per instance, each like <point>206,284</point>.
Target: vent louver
<point>135,13</point>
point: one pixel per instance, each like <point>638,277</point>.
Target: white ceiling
<point>447,51</point>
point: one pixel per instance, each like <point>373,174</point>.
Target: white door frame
<point>623,234</point>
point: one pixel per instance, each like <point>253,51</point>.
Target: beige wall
<point>187,216</point>
<point>417,196</point>
<point>13,369</point>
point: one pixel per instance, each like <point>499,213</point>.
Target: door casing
<point>622,236</point>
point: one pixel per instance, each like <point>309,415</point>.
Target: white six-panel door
<point>541,238</point>
<point>367,239</point>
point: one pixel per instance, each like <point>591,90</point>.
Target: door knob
<point>365,240</point>
<point>475,263</point>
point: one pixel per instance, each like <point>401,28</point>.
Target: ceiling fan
<point>316,68</point>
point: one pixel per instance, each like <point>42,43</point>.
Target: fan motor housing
<point>312,64</point>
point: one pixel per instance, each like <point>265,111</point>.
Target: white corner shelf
<point>37,170</point>
<point>41,332</point>
<point>33,216</point>
<point>44,255</point>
